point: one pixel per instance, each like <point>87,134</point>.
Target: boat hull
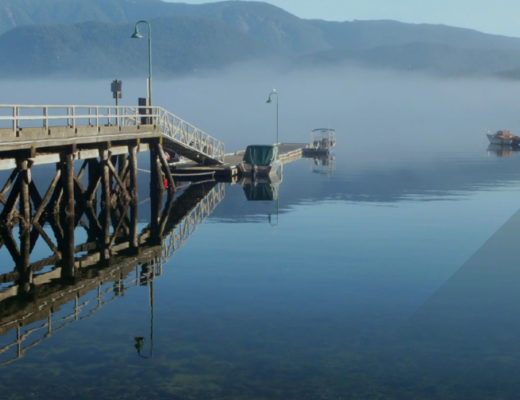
<point>265,171</point>
<point>497,140</point>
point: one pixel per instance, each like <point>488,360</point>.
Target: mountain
<point>16,13</point>
<point>437,58</point>
<point>271,25</point>
<point>90,37</point>
<point>266,23</point>
<point>180,44</point>
<point>357,35</point>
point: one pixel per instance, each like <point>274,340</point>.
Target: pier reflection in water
<point>44,296</point>
<point>35,294</point>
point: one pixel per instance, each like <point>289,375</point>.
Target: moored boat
<point>260,161</point>
<point>503,138</point>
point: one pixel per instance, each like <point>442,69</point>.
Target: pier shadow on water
<point>41,297</point>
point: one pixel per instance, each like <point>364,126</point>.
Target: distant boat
<point>323,139</point>
<point>503,138</point>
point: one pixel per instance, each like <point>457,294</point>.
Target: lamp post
<point>137,35</point>
<point>269,100</point>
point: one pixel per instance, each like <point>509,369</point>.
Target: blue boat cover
<point>260,154</point>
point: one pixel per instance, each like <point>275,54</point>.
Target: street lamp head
<point>273,92</point>
<point>137,34</point>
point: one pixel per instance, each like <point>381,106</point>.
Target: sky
<point>498,16</point>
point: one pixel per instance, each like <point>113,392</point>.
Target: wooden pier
<point>100,193</point>
<point>94,187</point>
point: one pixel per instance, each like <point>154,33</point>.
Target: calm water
<point>390,274</point>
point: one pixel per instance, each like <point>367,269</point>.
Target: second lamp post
<point>137,35</point>
<point>269,100</point>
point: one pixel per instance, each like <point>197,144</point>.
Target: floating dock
<point>287,152</point>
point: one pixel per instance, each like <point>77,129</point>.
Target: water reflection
<point>502,151</point>
<point>325,165</point>
<point>262,188</point>
<point>43,297</point>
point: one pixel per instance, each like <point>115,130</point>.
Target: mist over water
<point>375,109</point>
<point>339,289</point>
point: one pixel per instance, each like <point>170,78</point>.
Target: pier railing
<point>16,118</point>
<point>185,228</point>
<point>188,135</point>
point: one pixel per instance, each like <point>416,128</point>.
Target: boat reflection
<point>263,188</point>
<point>502,150</point>
<point>43,297</point>
<point>324,165</point>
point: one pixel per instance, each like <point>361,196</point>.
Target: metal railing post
<point>46,119</point>
<point>15,120</point>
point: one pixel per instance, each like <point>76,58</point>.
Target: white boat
<point>323,139</point>
<point>503,138</point>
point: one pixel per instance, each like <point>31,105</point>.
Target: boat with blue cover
<point>260,160</point>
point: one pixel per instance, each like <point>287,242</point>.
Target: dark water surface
<point>391,274</point>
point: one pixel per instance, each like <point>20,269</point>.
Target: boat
<point>503,138</point>
<point>322,141</point>
<point>260,160</point>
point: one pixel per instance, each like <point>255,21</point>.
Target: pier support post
<point>25,200</point>
<point>24,265</point>
<point>134,196</point>
<point>106,201</point>
<point>156,191</point>
<point>166,168</point>
<point>67,251</point>
<point>93,181</point>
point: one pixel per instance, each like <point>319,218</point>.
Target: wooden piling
<point>156,189</point>
<point>166,168</point>
<point>67,174</point>
<point>134,195</point>
<point>24,265</point>
<point>106,200</point>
